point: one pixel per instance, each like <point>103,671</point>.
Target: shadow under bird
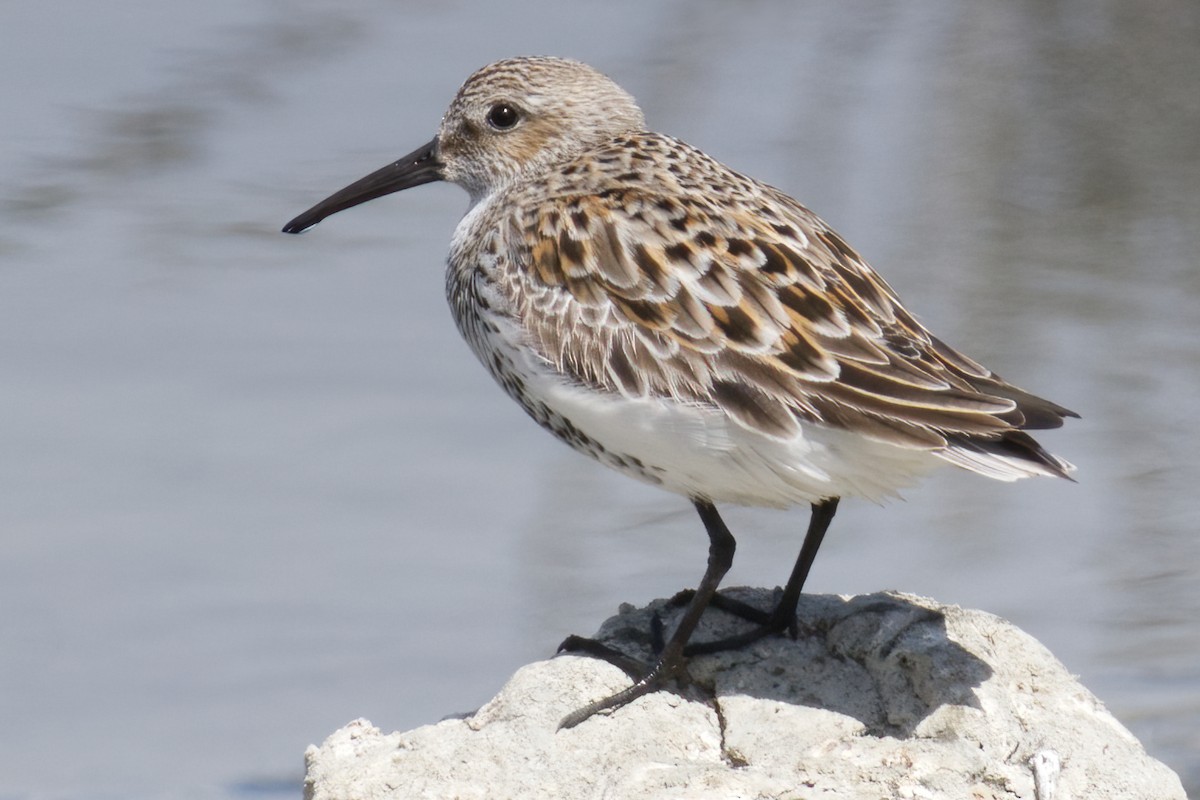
<point>691,327</point>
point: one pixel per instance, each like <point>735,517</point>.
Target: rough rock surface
<point>880,696</point>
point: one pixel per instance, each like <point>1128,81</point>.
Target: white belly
<point>700,452</point>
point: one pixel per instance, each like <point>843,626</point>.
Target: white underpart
<point>700,452</point>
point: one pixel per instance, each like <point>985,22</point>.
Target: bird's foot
<point>766,623</point>
<point>649,678</point>
<point>671,667</point>
<point>634,668</point>
<point>594,648</point>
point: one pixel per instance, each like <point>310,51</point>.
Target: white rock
<point>881,696</point>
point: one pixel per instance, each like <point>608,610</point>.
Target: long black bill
<point>419,166</point>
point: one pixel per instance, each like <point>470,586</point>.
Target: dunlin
<point>689,326</point>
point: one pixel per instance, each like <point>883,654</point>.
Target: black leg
<point>822,514</point>
<point>671,663</point>
<point>784,616</point>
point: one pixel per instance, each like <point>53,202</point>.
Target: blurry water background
<point>253,486</point>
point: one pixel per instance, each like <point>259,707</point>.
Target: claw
<point>663,671</point>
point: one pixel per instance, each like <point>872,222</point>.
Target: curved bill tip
<point>418,167</point>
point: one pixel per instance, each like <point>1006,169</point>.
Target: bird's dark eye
<point>502,116</point>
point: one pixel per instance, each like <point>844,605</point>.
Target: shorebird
<point>690,326</point>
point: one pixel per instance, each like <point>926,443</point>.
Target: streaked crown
<point>519,116</point>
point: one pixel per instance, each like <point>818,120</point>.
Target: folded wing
<point>750,303</point>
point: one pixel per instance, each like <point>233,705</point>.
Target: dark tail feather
<point>1012,455</point>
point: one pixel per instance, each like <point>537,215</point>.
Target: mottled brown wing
<point>755,306</point>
